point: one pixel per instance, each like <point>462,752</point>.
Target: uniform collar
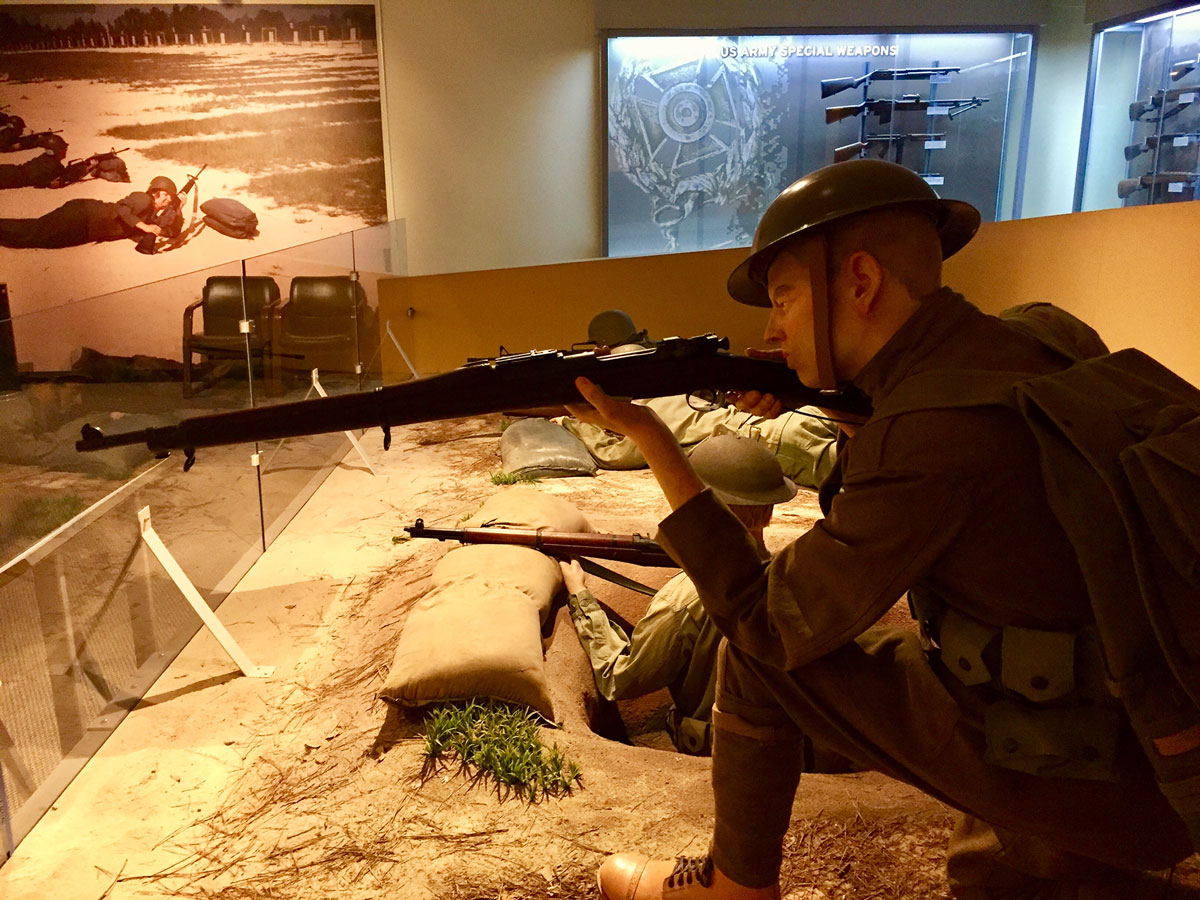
<point>937,319</point>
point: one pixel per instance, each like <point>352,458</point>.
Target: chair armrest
<point>189,313</point>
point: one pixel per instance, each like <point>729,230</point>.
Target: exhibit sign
<point>705,130</point>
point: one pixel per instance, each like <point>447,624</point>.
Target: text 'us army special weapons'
<point>1156,101</point>
<point>699,365</point>
<point>1173,139</point>
<point>885,142</point>
<point>883,109</point>
<point>1127,186</point>
<point>831,86</point>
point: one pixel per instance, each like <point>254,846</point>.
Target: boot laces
<point>691,869</point>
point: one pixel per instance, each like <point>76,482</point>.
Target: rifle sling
<point>594,568</point>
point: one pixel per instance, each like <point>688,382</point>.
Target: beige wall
<point>1130,273</point>
<point>493,130</point>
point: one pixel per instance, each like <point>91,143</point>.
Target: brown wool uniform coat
<point>944,501</point>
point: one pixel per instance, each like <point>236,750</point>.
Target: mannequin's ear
<point>859,279</point>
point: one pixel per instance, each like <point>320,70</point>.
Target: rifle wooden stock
<point>629,548</point>
<point>542,378</point>
<point>831,86</point>
<point>1127,186</point>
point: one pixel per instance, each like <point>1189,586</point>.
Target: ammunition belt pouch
<point>1047,711</point>
<point>689,735</point>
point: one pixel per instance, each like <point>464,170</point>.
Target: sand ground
<point>303,785</point>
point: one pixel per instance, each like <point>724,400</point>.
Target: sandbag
<point>540,448</point>
<point>527,507</point>
<point>529,571</point>
<point>478,632</point>
<point>470,637</point>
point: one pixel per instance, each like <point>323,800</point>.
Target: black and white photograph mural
<point>139,142</point>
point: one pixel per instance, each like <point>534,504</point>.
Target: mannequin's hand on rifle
<point>573,576</point>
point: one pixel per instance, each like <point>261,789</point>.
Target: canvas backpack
<point>1119,440</point>
<point>230,217</point>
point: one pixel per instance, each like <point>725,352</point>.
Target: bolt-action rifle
<point>629,548</point>
<point>1157,100</point>
<point>1133,151</point>
<point>1128,186</point>
<point>849,151</point>
<point>884,108</point>
<point>831,86</point>
<point>542,378</point>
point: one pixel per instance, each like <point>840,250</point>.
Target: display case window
<point>705,130</point>
<point>1141,135</point>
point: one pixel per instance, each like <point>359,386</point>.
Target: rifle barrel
<point>547,378</point>
<point>630,548</point>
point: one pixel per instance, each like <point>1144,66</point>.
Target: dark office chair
<point>220,342</point>
<point>326,324</point>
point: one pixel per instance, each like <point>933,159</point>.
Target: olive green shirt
<point>674,646</point>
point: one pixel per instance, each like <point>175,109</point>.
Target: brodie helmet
<point>162,183</point>
<point>741,471</point>
<point>826,196</point>
<point>612,328</point>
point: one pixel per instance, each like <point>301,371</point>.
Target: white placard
<point>939,110</point>
<point>1180,141</point>
<point>1175,187</point>
<point>934,179</point>
<point>1189,97</point>
<point>935,145</point>
<point>939,79</point>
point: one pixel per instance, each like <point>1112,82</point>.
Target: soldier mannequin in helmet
<point>1000,707</point>
<point>84,221</point>
<point>674,645</point>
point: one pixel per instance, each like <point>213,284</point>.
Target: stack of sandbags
<point>478,632</point>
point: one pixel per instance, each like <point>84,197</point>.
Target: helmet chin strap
<point>818,267</point>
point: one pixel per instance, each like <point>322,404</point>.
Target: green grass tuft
<point>499,743</point>
<point>514,478</point>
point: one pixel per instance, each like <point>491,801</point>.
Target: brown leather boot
<point>626,876</point>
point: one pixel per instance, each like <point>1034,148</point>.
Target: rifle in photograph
<point>883,109</point>
<point>858,148</point>
<point>831,86</point>
<point>697,365</point>
<point>1157,100</point>
<point>565,545</point>
<point>191,180</point>
<point>1128,186</point>
<point>1133,151</point>
<point>81,167</point>
<point>32,139</point>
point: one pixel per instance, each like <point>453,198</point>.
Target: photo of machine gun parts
<point>882,110</point>
<point>1171,144</point>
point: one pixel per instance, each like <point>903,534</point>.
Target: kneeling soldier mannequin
<point>1001,709</point>
<point>675,644</point>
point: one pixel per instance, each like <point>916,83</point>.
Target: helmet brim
<point>781,494</point>
<point>957,223</point>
